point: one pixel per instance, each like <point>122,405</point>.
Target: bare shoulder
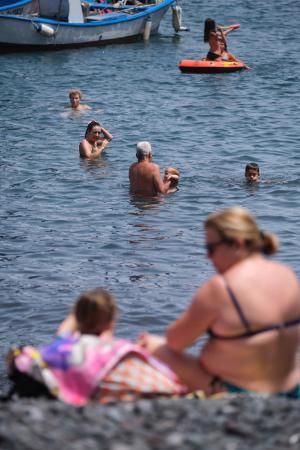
<point>211,293</point>
<point>133,165</point>
<point>284,271</point>
<point>84,148</point>
<point>155,167</point>
<point>84,107</point>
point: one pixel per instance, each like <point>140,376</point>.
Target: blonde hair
<point>173,171</point>
<point>94,311</point>
<point>238,223</point>
<point>75,92</point>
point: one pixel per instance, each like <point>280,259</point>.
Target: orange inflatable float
<point>206,66</point>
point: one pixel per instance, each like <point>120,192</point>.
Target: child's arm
<point>68,325</point>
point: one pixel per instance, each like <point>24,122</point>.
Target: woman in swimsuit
<point>250,310</point>
<point>95,141</point>
<point>216,38</point>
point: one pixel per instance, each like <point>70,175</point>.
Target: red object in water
<point>206,66</point>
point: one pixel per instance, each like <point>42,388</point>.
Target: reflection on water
<point>142,203</point>
<point>146,232</point>
<point>94,167</point>
<point>251,186</point>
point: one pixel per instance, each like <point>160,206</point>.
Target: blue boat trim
<point>102,22</point>
<point>10,5</point>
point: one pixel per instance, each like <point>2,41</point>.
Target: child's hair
<point>173,171</point>
<point>173,176</point>
<point>209,25</point>
<point>250,166</point>
<point>75,92</point>
<point>94,311</point>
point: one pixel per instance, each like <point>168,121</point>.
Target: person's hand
<point>173,178</point>
<point>150,342</point>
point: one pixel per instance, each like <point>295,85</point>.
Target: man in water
<point>252,173</point>
<point>75,97</point>
<point>144,175</point>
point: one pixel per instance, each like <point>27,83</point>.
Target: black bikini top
<point>249,332</point>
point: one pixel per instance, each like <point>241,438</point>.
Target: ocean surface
<point>67,225</point>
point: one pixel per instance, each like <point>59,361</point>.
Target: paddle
<point>232,27</point>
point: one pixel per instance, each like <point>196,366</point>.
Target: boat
<point>16,7</point>
<point>206,66</point>
<point>58,24</point>
<point>7,3</point>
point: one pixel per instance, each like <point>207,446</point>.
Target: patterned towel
<point>77,369</point>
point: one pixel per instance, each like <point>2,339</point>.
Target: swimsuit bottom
<point>211,56</point>
<point>233,389</point>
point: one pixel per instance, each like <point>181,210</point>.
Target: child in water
<point>216,38</point>
<point>252,173</point>
<point>173,174</point>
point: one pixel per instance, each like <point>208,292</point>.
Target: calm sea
<point>68,225</point>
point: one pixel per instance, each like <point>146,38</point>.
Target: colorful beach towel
<point>77,369</point>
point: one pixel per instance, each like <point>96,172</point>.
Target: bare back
<point>145,179</point>
<point>216,43</point>
<point>269,296</point>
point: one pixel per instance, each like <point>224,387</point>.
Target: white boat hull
<point>20,32</point>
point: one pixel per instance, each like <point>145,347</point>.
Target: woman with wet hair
<point>250,310</point>
<point>216,38</point>
<point>95,141</point>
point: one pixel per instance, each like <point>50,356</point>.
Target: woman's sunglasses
<point>211,247</point>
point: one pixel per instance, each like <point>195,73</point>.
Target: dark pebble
<point>231,423</point>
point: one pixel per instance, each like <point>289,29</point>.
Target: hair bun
<point>270,243</point>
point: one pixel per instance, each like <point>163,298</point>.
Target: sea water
<point>67,225</point>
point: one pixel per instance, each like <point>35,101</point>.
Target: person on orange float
<point>215,35</point>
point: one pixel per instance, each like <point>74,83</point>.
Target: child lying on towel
<point>85,362</point>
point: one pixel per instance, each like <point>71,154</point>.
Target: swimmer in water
<point>252,173</point>
<point>75,96</point>
<point>95,141</point>
<point>144,175</point>
<point>172,174</point>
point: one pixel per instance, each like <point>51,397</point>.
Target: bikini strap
<point>237,306</point>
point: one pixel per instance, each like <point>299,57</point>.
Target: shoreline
<point>229,423</point>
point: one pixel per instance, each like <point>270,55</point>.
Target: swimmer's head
<point>252,172</point>
<point>95,311</point>
<point>143,150</point>
<point>92,124</point>
<point>75,96</point>
<point>75,93</point>
<point>172,174</point>
<point>172,171</point>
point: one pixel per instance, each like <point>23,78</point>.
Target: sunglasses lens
<point>211,247</point>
